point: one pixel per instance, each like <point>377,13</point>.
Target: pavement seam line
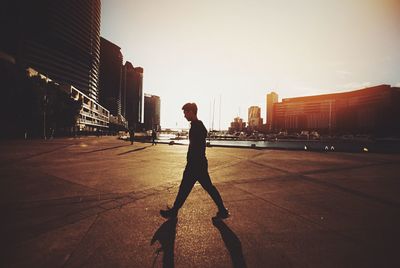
<point>104,149</point>
<point>92,198</point>
<point>150,192</point>
<point>75,183</point>
<point>72,214</point>
<point>80,241</point>
<point>306,178</point>
<point>349,168</point>
<point>235,162</point>
<point>35,155</point>
<point>305,219</point>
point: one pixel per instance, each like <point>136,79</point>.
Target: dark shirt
<point>197,142</point>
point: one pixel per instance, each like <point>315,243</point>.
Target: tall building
<point>110,76</point>
<point>152,112</point>
<point>271,99</point>
<point>11,31</point>
<point>60,39</point>
<point>254,118</point>
<point>372,110</point>
<point>132,94</point>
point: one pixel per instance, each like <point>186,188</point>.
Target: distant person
<point>153,137</point>
<point>196,167</point>
<point>131,135</point>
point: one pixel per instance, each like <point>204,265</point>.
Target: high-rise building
<point>132,94</point>
<point>110,76</point>
<point>60,39</point>
<point>254,118</point>
<point>271,99</point>
<point>152,112</point>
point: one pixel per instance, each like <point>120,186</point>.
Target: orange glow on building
<point>369,110</point>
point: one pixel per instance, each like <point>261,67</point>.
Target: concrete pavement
<point>94,202</point>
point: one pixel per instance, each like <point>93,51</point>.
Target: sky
<point>226,55</point>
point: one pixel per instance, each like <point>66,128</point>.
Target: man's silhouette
<point>153,137</point>
<point>196,167</point>
<point>132,135</point>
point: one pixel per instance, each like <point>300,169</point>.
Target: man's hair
<point>190,107</point>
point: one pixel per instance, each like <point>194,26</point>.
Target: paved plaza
<point>94,202</point>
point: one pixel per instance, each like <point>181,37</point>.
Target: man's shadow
<point>232,243</point>
<point>165,235</point>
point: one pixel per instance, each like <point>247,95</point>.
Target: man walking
<point>196,167</point>
<point>131,135</point>
<point>153,137</point>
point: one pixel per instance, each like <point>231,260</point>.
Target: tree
<point>32,105</point>
<point>62,109</point>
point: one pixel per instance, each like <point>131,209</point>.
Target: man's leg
<point>185,188</point>
<point>205,181</point>
<point>187,183</point>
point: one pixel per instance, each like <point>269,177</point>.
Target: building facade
<point>254,118</point>
<point>132,94</point>
<point>152,105</point>
<point>92,116</point>
<point>110,76</point>
<point>369,110</point>
<point>272,98</point>
<point>237,125</point>
<point>60,39</point>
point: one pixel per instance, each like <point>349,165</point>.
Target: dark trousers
<point>197,172</point>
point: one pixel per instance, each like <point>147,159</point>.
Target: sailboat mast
<point>212,128</point>
<point>219,125</point>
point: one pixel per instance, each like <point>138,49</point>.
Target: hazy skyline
<point>241,50</point>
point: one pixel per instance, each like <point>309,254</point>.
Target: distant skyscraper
<point>132,94</point>
<point>110,76</point>
<point>271,99</point>
<point>151,112</point>
<point>254,119</point>
<point>60,39</point>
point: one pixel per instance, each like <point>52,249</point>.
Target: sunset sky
<point>238,51</point>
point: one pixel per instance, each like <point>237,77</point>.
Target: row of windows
<point>60,67</point>
<point>90,121</point>
<point>327,106</point>
<point>95,113</point>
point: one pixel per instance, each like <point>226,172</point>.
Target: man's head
<point>190,111</point>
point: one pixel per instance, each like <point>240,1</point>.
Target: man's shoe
<point>168,213</point>
<point>222,214</point>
